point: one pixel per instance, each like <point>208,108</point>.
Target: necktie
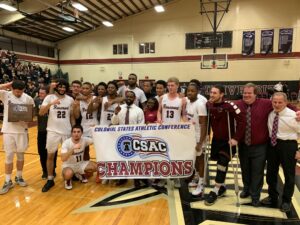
<point>248,126</point>
<point>274,130</point>
<point>127,115</point>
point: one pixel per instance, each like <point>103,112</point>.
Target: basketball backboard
<point>214,61</point>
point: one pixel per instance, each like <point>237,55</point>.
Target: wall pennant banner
<point>248,43</point>
<point>266,43</point>
<point>145,151</point>
<point>285,40</point>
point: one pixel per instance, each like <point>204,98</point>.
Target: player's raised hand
<point>55,102</point>
<point>117,109</point>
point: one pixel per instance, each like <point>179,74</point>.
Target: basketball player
<point>197,115</point>
<point>132,86</point>
<point>80,109</point>
<point>59,106</point>
<point>15,134</point>
<point>106,105</point>
<point>221,142</point>
<point>72,153</point>
<point>171,110</point>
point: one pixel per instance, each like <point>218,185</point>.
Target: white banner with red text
<point>145,151</point>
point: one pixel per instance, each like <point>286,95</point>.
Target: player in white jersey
<point>72,153</point>
<point>60,120</point>
<point>106,104</point>
<point>88,120</point>
<point>197,114</point>
<point>15,134</point>
<point>132,86</point>
<point>171,110</point>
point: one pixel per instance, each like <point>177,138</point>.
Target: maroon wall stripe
<point>190,58</point>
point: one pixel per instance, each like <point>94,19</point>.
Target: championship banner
<point>285,40</point>
<point>248,43</point>
<point>145,151</point>
<point>266,42</point>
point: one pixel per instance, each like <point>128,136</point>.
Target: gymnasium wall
<point>89,55</point>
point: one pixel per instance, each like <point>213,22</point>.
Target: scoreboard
<point>206,40</point>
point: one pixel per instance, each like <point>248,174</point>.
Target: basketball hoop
<point>214,61</point>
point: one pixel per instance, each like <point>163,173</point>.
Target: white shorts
<point>76,167</point>
<point>53,140</point>
<point>15,142</point>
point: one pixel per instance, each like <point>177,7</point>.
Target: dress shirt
<point>288,127</point>
<point>136,115</point>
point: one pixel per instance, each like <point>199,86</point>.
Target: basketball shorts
<point>53,140</point>
<point>15,142</point>
<point>76,167</point>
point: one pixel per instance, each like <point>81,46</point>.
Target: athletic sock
<point>7,177</point>
<point>19,173</point>
<point>216,189</point>
<point>51,177</point>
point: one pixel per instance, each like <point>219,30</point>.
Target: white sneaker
<point>161,183</point>
<point>20,181</point>
<point>177,183</point>
<point>198,191</point>
<point>68,184</point>
<point>84,179</point>
<point>6,187</point>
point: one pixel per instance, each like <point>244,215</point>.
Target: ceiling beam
<point>110,9</point>
<point>143,3</point>
<point>118,7</point>
<point>126,6</point>
<point>37,30</point>
<point>151,3</point>
<point>135,5</point>
<point>112,18</point>
<point>47,25</point>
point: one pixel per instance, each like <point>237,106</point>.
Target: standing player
<point>80,109</point>
<point>160,88</point>
<point>59,106</point>
<point>197,115</point>
<point>15,134</point>
<point>220,148</point>
<point>171,110</point>
<point>72,153</point>
<point>132,86</point>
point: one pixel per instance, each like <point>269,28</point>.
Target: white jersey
<point>88,120</point>
<point>106,114</point>
<point>140,96</point>
<point>59,115</point>
<point>171,109</point>
<point>193,111</point>
<point>77,156</point>
<point>13,127</point>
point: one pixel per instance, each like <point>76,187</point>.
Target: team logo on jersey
<point>131,145</point>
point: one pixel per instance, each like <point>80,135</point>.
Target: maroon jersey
<point>218,120</point>
<point>150,116</point>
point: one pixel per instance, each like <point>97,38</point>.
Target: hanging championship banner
<point>248,43</point>
<point>145,151</point>
<point>266,42</point>
<point>285,40</point>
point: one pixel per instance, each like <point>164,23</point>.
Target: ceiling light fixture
<point>159,8</point>
<point>7,7</point>
<point>79,6</point>
<point>68,29</point>
<point>107,24</point>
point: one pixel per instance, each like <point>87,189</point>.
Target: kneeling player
<point>72,152</point>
